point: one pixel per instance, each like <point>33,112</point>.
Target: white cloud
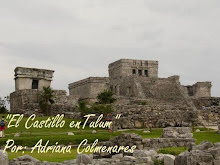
<point>80,38</point>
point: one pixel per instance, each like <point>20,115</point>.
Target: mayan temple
<point>142,97</point>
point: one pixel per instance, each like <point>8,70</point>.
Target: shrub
<point>83,106</point>
<point>3,104</point>
<point>46,99</point>
<point>101,109</point>
<point>95,108</point>
<point>143,103</point>
<point>158,162</point>
<point>172,150</point>
<point>3,110</point>
<point>105,97</point>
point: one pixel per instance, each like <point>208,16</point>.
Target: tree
<point>105,97</point>
<point>46,100</point>
<point>3,104</point>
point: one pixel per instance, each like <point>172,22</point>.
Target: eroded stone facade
<point>32,78</point>
<point>26,102</point>
<point>89,88</point>
<point>200,89</point>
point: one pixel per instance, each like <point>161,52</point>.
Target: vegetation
<point>155,133</point>
<point>158,162</point>
<point>210,135</point>
<point>95,108</point>
<point>3,103</point>
<point>46,99</point>
<point>31,136</point>
<point>51,157</point>
<point>103,106</point>
<point>106,97</point>
<point>60,135</point>
<point>143,103</point>
<point>173,150</point>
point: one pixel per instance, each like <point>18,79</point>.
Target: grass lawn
<point>173,150</point>
<point>206,136</point>
<point>51,157</point>
<point>31,136</point>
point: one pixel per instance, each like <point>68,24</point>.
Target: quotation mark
<point>8,116</point>
<point>118,116</point>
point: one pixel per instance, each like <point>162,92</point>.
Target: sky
<point>79,38</point>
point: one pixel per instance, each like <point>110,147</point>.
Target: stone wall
<point>23,100</point>
<point>127,67</point>
<point>205,154</point>
<point>200,89</point>
<point>89,88</point>
<point>130,139</point>
<point>123,68</point>
<point>177,132</point>
<point>161,89</point>
<point>26,102</point>
<point>24,77</point>
<point>206,101</point>
<point>154,115</point>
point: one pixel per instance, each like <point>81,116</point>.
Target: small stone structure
<point>32,78</point>
<point>29,82</point>
<point>89,88</point>
<point>200,89</point>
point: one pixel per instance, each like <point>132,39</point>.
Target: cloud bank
<point>78,39</point>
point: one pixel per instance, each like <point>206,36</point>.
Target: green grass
<point>172,150</point>
<point>155,133</point>
<point>31,136</point>
<point>51,157</point>
<point>211,136</point>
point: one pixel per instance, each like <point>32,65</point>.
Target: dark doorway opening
<point>146,73</point>
<point>133,71</point>
<point>35,84</point>
<point>140,72</point>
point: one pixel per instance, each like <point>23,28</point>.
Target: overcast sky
<point>79,38</point>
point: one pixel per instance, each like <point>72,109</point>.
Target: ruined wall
<point>200,89</point>
<point>24,77</point>
<point>148,143</point>
<point>162,90</point>
<point>154,115</point>
<point>89,88</point>
<point>26,102</point>
<point>206,101</point>
<point>23,100</point>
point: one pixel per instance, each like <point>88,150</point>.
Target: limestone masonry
<point>32,78</point>
<point>143,98</point>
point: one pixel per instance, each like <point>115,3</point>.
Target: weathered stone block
<point>169,159</point>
